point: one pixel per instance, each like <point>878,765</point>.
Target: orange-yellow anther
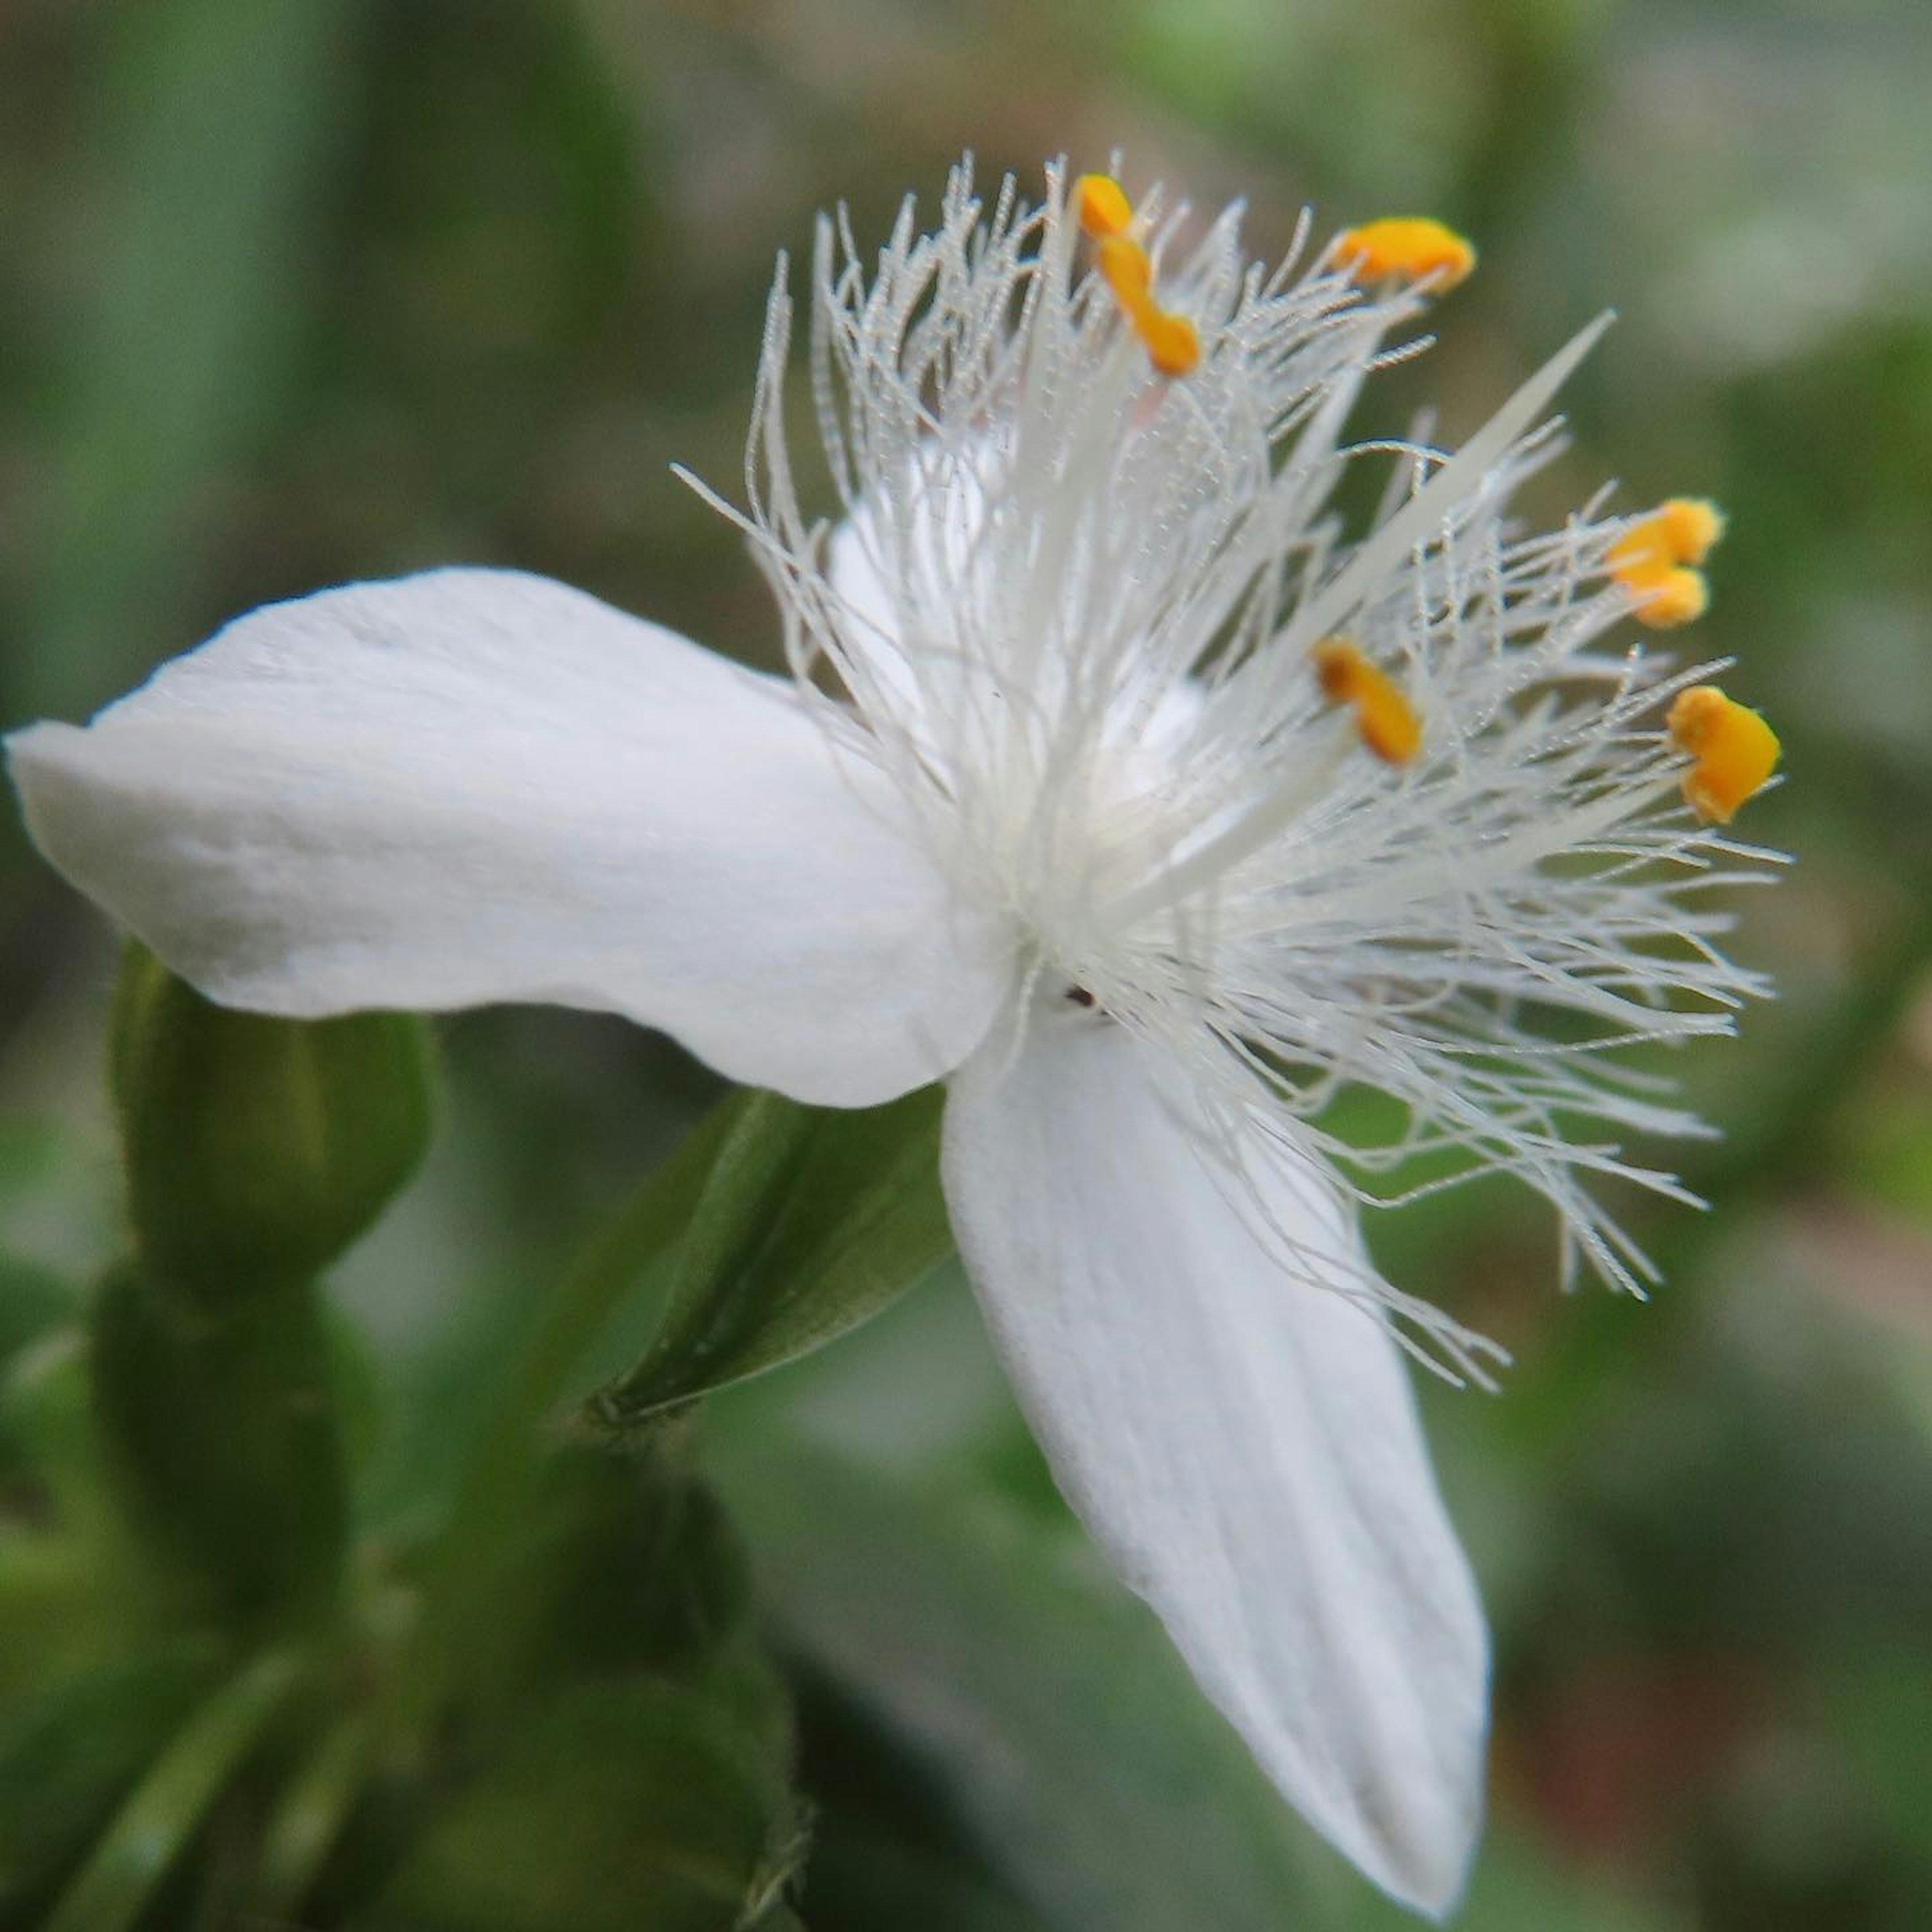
<point>1104,208</point>
<point>1129,271</point>
<point>1692,526</point>
<point>1654,560</point>
<point>1412,247</point>
<point>1670,599</point>
<point>1172,343</point>
<point>1384,719</point>
<point>1735,749</point>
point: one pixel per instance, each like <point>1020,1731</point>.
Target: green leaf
<point>71,1747</point>
<point>807,1221</point>
<point>888,1849</point>
<point>155,1825</point>
<point>224,1435</point>
<point>1520,1884</point>
<point>863,1880</point>
<point>258,1149</point>
<point>1048,1706</point>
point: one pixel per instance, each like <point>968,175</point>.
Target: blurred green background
<point>299,290</point>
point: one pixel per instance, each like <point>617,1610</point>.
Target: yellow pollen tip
<point>1412,247</point>
<point>1105,209</point>
<point>1734,750</point>
<point>1384,719</point>
<point>1654,561</point>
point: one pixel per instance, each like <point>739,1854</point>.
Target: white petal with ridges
<point>473,785</point>
<point>1243,1445</point>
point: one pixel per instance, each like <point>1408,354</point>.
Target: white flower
<point>1152,813</point>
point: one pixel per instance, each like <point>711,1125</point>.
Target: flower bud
<point>221,1428</point>
<point>257,1148</point>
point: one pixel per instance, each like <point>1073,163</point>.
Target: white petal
<point>473,785</point>
<point>1242,1445</point>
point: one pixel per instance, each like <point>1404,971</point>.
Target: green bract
<point>798,1224</point>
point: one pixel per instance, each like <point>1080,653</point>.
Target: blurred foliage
<point>303,290</point>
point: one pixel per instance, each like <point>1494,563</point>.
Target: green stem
<point>168,1806</point>
<point>305,1825</point>
<point>502,1469</point>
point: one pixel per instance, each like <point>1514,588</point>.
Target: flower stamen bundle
<point>1088,619</point>
<point>1172,343</point>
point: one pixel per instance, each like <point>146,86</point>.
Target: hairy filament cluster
<point>1092,617</point>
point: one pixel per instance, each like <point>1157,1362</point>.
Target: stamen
<point>1671,598</point>
<point>1735,749</point>
<point>1653,560</point>
<point>1104,207</point>
<point>1694,525</point>
<point>1128,271</point>
<point>1171,341</point>
<point>1384,719</point>
<point>1412,247</point>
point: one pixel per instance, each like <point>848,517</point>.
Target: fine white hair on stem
<point>1070,612</point>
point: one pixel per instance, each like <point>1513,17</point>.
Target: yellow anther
<point>1129,271</point>
<point>1692,526</point>
<point>1735,749</point>
<point>1653,560</point>
<point>1412,247</point>
<point>1671,598</point>
<point>1104,208</point>
<point>1384,719</point>
<point>1172,343</point>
